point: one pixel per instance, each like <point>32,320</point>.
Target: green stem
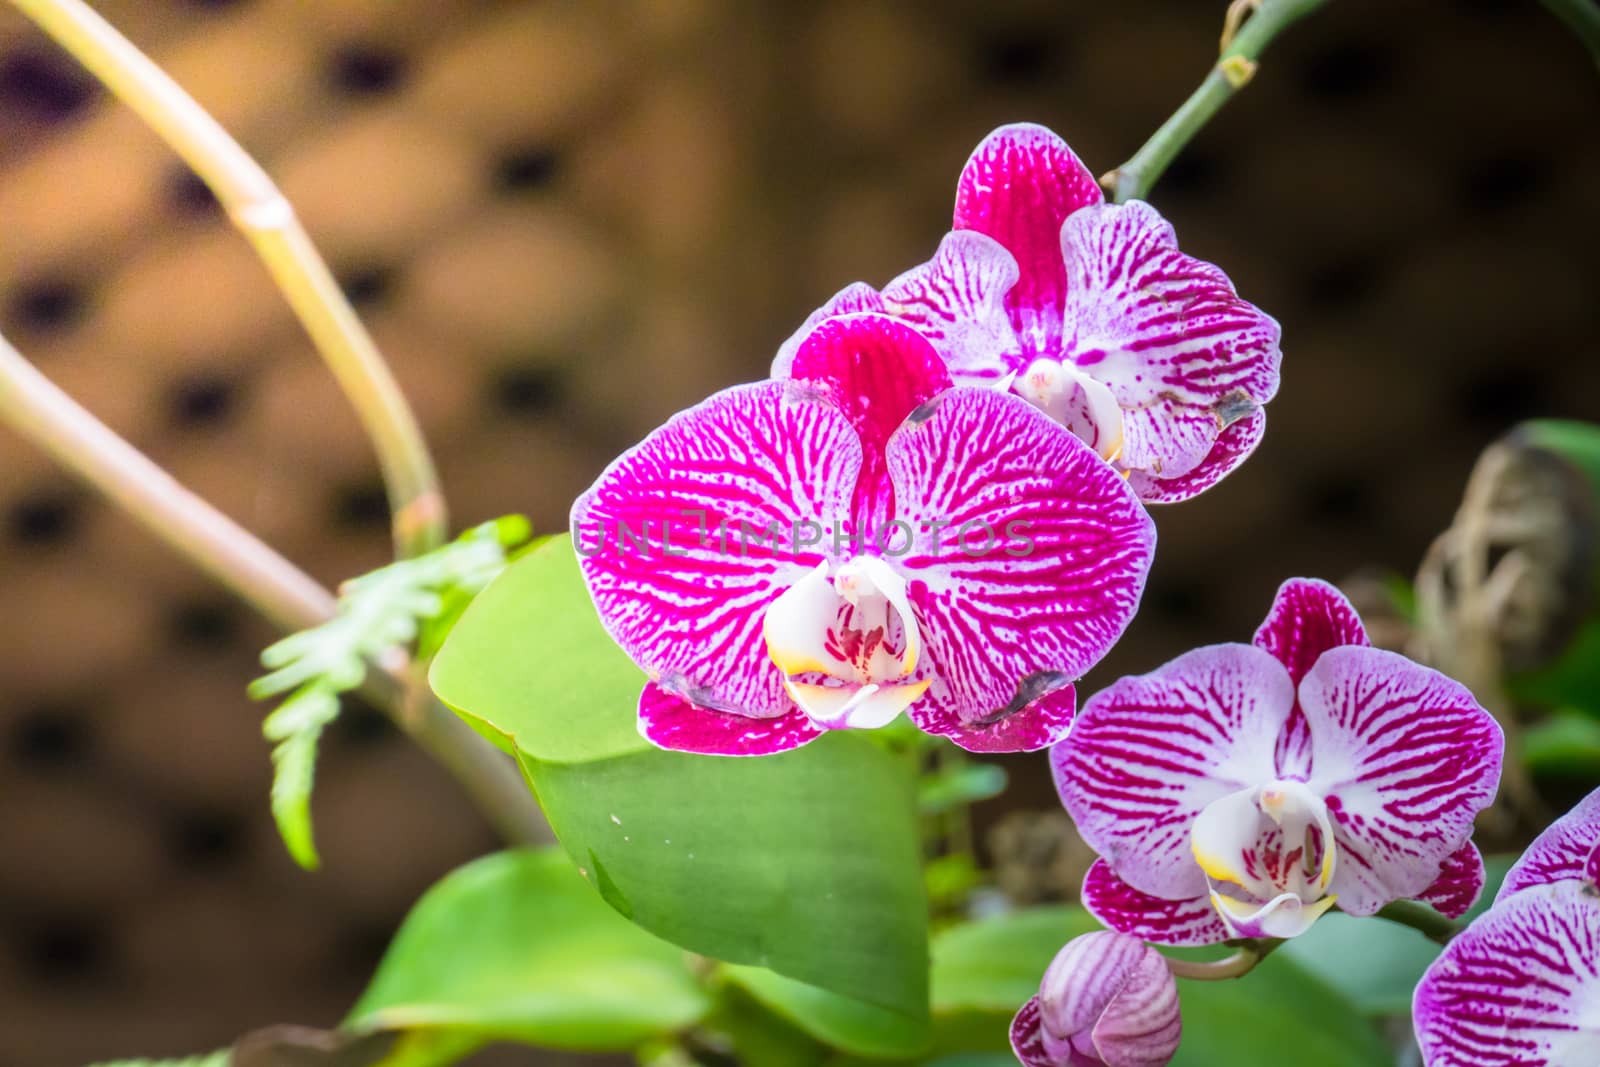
<point>1582,18</point>
<point>1237,965</point>
<point>39,411</point>
<point>1232,71</point>
<point>1421,918</point>
<point>268,221</point>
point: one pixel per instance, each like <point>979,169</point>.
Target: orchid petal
<point>1020,184</point>
<point>1406,759</point>
<point>1459,884</point>
<point>957,301</point>
<point>864,707</point>
<point>1027,1037</point>
<point>1308,617</point>
<point>1029,558</point>
<point>1190,921</point>
<point>1108,998</point>
<point>876,371</point>
<point>673,723</point>
<point>1566,850</point>
<point>1076,401</point>
<point>852,299</point>
<point>1232,448</point>
<point>1184,355</point>
<point>1041,723</point>
<point>685,595</point>
<point>1149,753</point>
<point>1285,915</point>
<point>1520,987</point>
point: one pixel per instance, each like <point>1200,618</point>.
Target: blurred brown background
<point>565,221</point>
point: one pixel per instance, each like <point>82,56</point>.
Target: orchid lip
<point>1078,401</point>
<point>1267,880</point>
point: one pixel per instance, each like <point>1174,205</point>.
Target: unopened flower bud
<point>1107,1000</point>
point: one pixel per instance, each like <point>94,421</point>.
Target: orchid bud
<point>1107,1000</point>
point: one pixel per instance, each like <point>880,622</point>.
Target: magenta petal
<point>1459,884</point>
<point>673,723</point>
<point>662,538</point>
<point>1166,333</point>
<point>1027,1037</point>
<point>1020,184</point>
<point>1519,987</point>
<point>1308,617</point>
<point>877,371</point>
<point>1405,759</point>
<point>1233,446</point>
<point>1190,921</point>
<point>1038,725</point>
<point>1566,850</point>
<point>957,301</point>
<point>852,299</point>
<point>1029,553</point>
<point>1147,753</point>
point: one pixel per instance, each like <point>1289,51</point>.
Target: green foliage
<point>845,1023</point>
<point>516,947</point>
<point>959,783</point>
<point>1566,745</point>
<point>377,612</point>
<point>805,863</point>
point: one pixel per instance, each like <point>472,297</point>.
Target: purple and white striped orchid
<point>861,539</point>
<point>1107,1000</point>
<point>1520,987</point>
<point>1241,790</point>
<point>1088,310</point>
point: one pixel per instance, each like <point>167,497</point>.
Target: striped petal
<point>1182,353</point>
<point>1233,446</point>
<point>673,723</point>
<point>1020,184</point>
<point>1040,724</point>
<point>1029,558</point>
<point>1109,998</point>
<point>661,538</point>
<point>957,301</point>
<point>876,371</point>
<point>1459,885</point>
<point>1568,849</point>
<point>1405,759</point>
<point>852,299</point>
<point>1027,1038</point>
<point>1308,617</point>
<point>1190,921</point>
<point>1149,753</point>
<point>1520,987</point>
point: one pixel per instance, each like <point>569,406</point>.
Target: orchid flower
<point>1242,790</point>
<point>861,539</point>
<point>1088,310</point>
<point>1107,1000</point>
<point>1521,985</point>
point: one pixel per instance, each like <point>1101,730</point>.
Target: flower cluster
<point>1521,985</point>
<point>1056,365</point>
<point>1243,790</point>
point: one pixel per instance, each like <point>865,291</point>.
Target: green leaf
<point>516,947</point>
<point>807,863</point>
<point>1565,745</point>
<point>961,783</point>
<point>530,658</point>
<point>842,1022</point>
<point>1278,1013</point>
<point>996,964</point>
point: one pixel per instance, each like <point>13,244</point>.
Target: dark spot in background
<point>1195,173</point>
<point>1496,396</point>
<point>1341,72</point>
<point>44,86</point>
<point>188,193</point>
<point>524,169</point>
<point>50,737</point>
<point>47,304</point>
<point>1337,498</point>
<point>367,285</point>
<point>204,625</point>
<point>362,70</point>
<point>1017,55</point>
<point>203,399</point>
<point>1340,284</point>
<point>205,839</point>
<point>1502,179</point>
<point>361,506</point>
<point>62,951</point>
<point>45,518</point>
<point>1177,600</point>
<point>361,725</point>
<point>527,390</point>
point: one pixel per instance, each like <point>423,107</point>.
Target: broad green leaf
<point>530,659</point>
<point>516,947</point>
<point>841,1022</point>
<point>1567,744</point>
<point>1278,1013</point>
<point>996,964</point>
<point>806,863</point>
